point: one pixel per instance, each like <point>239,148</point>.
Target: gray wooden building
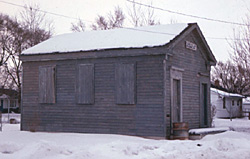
<point>132,81</point>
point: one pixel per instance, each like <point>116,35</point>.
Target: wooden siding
<point>195,65</point>
<point>144,118</point>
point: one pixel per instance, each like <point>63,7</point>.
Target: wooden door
<point>204,105</point>
<point>1,105</point>
<point>176,101</point>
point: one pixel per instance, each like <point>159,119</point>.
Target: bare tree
<point>36,22</point>
<point>5,80</point>
<point>225,73</point>
<point>4,37</point>
<point>231,76</point>
<point>139,16</point>
<point>78,27</point>
<point>241,46</point>
<point>116,19</point>
<point>11,35</point>
<point>17,36</point>
<point>100,24</point>
<point>112,20</point>
<point>235,75</point>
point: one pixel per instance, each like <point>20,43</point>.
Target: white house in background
<point>227,104</point>
<point>8,100</point>
<point>246,104</point>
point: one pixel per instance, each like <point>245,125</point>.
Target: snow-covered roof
<point>139,37</point>
<point>246,100</point>
<point>226,94</point>
<point>4,96</point>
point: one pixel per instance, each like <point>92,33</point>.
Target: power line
<point>187,15</point>
<point>142,30</point>
<point>43,11</point>
<point>164,33</point>
<point>69,17</point>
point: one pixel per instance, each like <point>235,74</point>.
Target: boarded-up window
<point>85,87</point>
<point>47,84</point>
<point>125,83</point>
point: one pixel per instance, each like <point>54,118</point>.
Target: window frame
<point>224,102</point>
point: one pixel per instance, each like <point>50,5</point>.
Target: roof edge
<point>211,55</point>
<point>186,31</point>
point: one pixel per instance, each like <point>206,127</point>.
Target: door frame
<point>202,109</point>
<point>175,74</point>
<point>1,104</point>
<point>205,80</point>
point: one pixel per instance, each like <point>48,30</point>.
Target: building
<point>228,105</point>
<point>8,100</point>
<point>246,107</point>
<point>132,81</point>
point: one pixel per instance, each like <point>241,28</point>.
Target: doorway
<point>176,101</point>
<point>1,105</point>
<point>176,95</point>
<point>204,105</point>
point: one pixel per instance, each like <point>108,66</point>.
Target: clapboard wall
<point>196,70</point>
<point>144,118</point>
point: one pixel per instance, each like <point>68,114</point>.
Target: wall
<point>145,118</point>
<point>193,63</point>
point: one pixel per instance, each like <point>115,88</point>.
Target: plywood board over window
<point>47,93</point>
<point>85,84</point>
<point>125,83</point>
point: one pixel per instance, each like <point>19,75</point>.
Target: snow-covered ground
<point>6,117</point>
<point>15,144</point>
<point>237,124</point>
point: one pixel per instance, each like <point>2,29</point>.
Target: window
<point>224,103</point>
<point>47,84</point>
<point>12,103</point>
<point>125,83</point>
<point>239,102</point>
<point>232,102</point>
<point>85,84</point>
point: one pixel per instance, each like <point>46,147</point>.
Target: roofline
<point>93,50</point>
<point>170,44</point>
<point>104,49</point>
<point>227,94</point>
<point>211,55</point>
<point>104,53</point>
<point>186,31</point>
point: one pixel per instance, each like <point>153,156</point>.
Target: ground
<point>29,145</point>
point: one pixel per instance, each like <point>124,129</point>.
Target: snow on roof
<point>139,37</point>
<point>208,130</point>
<point>226,94</point>
<point>246,100</point>
<point>4,96</point>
